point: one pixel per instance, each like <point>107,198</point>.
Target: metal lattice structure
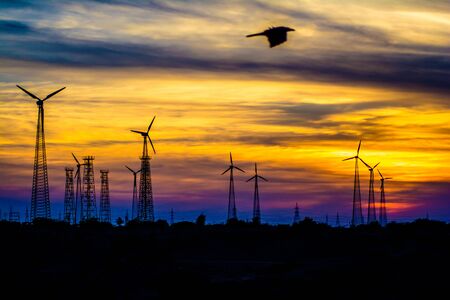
<point>40,198</point>
<point>69,198</point>
<point>256,206</point>
<point>338,221</point>
<point>88,201</point>
<point>14,216</point>
<point>27,215</point>
<point>296,214</point>
<point>105,205</point>
<point>357,216</point>
<point>134,201</point>
<point>145,211</point>
<point>232,211</point>
<point>383,212</point>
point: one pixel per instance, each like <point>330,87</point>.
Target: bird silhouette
<point>275,35</point>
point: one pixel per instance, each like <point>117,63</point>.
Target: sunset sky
<point>353,69</point>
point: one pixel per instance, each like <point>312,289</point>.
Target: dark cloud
<point>315,111</point>
<point>422,68</point>
<point>15,4</point>
<point>9,27</point>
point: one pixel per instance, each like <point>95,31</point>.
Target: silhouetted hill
<point>155,260</point>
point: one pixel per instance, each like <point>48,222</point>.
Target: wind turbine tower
<point>40,198</point>
<point>383,214</point>
<point>69,199</point>
<point>256,208</point>
<point>88,201</point>
<point>232,213</point>
<point>79,191</point>
<point>105,205</point>
<point>134,202</point>
<point>357,216</point>
<point>145,210</point>
<point>371,210</point>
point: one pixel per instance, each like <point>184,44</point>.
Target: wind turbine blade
<point>389,178</point>
<point>250,179</point>
<point>256,170</point>
<point>29,94</point>
<point>375,166</point>
<point>140,132</point>
<point>138,171</point>
<point>229,168</point>
<point>359,146</point>
<point>240,169</point>
<point>75,158</point>
<point>349,158</point>
<point>263,178</point>
<point>129,169</point>
<point>380,173</point>
<point>154,151</point>
<point>364,163</point>
<point>231,159</point>
<point>151,123</point>
<point>53,94</point>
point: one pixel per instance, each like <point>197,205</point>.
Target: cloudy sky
<point>372,70</point>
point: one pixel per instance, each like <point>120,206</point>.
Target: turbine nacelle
<point>232,166</point>
<point>132,171</point>
<point>368,167</point>
<point>40,101</point>
<point>146,135</point>
<point>382,178</point>
<point>357,153</point>
<point>256,176</point>
<point>77,173</point>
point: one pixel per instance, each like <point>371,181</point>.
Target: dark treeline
<point>155,260</point>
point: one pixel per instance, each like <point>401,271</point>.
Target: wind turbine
<point>145,210</point>
<point>40,198</point>
<point>232,214</point>
<point>134,202</point>
<point>78,192</point>
<point>256,208</point>
<point>383,213</point>
<point>371,210</point>
<point>146,136</point>
<point>357,217</point>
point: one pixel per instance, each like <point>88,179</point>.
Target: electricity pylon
<point>88,201</point>
<point>69,199</point>
<point>105,205</point>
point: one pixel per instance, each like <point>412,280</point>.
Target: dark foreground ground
<point>307,261</point>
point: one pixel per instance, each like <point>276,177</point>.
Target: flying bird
<point>275,35</point>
